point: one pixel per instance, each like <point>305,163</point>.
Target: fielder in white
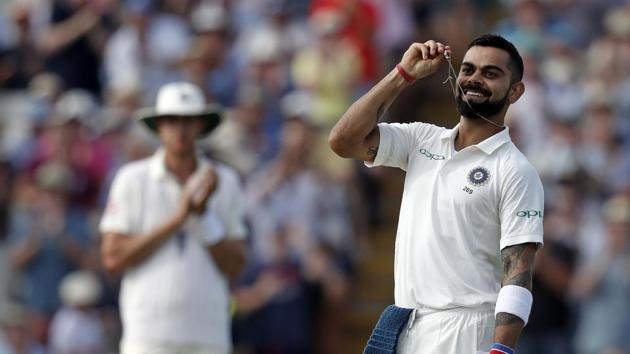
<point>471,215</point>
<point>174,226</point>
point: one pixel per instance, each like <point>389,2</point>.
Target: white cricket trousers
<point>146,348</point>
<point>457,331</point>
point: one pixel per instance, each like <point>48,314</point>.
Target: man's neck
<point>182,166</point>
<point>473,131</point>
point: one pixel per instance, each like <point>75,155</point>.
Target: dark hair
<point>496,41</point>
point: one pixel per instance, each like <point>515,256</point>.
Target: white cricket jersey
<point>177,295</point>
<point>459,209</point>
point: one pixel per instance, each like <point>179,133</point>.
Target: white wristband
<point>515,300</point>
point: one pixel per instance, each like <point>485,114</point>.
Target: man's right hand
<point>423,59</point>
<point>197,191</point>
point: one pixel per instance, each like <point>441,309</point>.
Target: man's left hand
<point>202,185</point>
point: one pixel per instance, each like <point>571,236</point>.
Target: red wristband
<point>405,74</point>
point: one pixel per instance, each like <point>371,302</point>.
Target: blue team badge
<point>479,176</point>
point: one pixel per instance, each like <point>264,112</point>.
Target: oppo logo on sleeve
<point>529,214</point>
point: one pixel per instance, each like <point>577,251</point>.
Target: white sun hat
<point>181,99</point>
<point>75,104</point>
<point>80,288</point>
<point>209,17</point>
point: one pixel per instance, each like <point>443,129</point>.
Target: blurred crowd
<point>73,72</point>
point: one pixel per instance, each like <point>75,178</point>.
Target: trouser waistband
<point>426,311</point>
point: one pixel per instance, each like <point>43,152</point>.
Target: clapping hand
<point>198,189</point>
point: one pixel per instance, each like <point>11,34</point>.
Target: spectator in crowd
<point>214,39</point>
<point>168,37</point>
<point>267,68</point>
<point>6,187</point>
<point>275,305</point>
<point>76,327</point>
<point>69,139</point>
<point>241,140</point>
<point>117,127</point>
<point>146,50</point>
<point>174,222</point>
<point>300,225</point>
<point>71,35</point>
<point>15,336</point>
<point>49,239</point>
<point>528,27</point>
<point>125,53</point>
<point>551,317</point>
<point>330,69</point>
<point>359,21</point>
<point>292,177</point>
<point>23,61</point>
<point>603,287</point>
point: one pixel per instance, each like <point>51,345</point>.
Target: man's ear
<point>516,91</point>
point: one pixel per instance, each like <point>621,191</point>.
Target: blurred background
<point>72,72</point>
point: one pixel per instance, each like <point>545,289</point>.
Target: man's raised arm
<point>356,135</point>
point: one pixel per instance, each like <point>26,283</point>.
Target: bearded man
<point>471,215</point>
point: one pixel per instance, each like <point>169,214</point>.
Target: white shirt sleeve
<point>522,207</point>
<point>397,141</point>
<point>117,215</point>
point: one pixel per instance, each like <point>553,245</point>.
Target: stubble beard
<point>487,108</point>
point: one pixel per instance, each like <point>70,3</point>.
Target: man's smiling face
<point>485,79</point>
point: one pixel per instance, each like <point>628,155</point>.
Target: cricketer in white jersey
<point>471,215</point>
<point>174,227</point>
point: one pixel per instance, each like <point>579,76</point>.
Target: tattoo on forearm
<point>523,279</point>
<point>507,319</point>
<point>372,151</point>
<point>518,262</point>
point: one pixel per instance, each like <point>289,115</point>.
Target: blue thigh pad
<point>384,338</point>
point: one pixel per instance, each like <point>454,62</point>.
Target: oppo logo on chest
<point>431,156</point>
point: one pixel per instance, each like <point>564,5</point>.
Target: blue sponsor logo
<point>479,176</point>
